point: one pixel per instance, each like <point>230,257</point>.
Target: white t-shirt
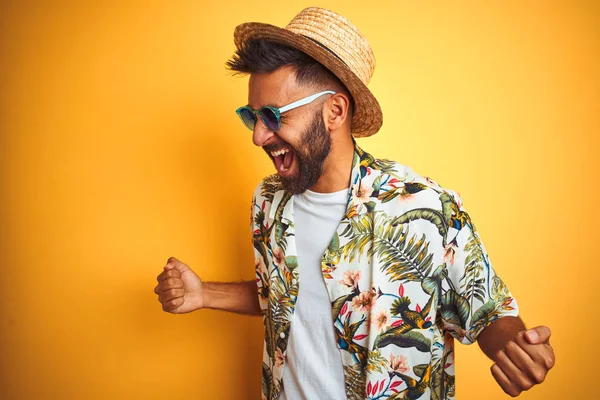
<point>313,368</point>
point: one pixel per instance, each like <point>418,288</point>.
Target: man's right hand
<point>179,289</point>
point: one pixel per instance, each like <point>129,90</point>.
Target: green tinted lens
<point>247,117</point>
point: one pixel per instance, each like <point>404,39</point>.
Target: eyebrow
<point>269,105</point>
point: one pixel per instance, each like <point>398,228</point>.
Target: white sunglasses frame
<point>279,111</point>
<point>304,101</point>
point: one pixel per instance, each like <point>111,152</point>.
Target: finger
<point>518,356</point>
<point>542,354</point>
<point>539,334</point>
<point>505,383</point>
<point>170,294</point>
<point>172,273</point>
<point>522,360</point>
<point>172,305</point>
<point>550,359</point>
<point>171,263</point>
<point>170,283</point>
<point>514,374</point>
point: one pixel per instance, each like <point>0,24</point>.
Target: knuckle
<point>538,376</point>
<point>499,355</point>
<point>165,297</point>
<point>173,273</point>
<point>171,260</point>
<point>524,383</point>
<point>520,339</point>
<point>511,346</point>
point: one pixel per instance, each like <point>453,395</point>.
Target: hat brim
<point>367,118</point>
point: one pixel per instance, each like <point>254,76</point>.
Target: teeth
<point>279,152</point>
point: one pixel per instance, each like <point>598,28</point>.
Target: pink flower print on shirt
<point>399,363</point>
<point>364,301</point>
<point>449,253</point>
<point>362,192</point>
<point>278,257</point>
<point>279,357</point>
<point>350,278</point>
<point>381,319</point>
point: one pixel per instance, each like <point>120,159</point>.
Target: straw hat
<point>336,43</point>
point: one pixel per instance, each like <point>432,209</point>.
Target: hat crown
<point>339,36</point>
<point>338,45</point>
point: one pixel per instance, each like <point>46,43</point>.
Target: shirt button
<point>294,281</point>
<point>282,335</point>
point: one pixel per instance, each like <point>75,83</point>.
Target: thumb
<point>537,335</point>
<point>172,262</point>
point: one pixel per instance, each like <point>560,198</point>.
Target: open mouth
<point>283,159</point>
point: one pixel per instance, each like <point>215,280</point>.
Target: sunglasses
<point>271,116</point>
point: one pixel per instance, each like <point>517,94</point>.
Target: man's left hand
<point>524,361</point>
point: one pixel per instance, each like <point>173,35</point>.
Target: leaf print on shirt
<point>376,361</point>
<point>472,284</point>
<point>402,260</point>
<point>269,186</point>
<point>346,337</point>
<point>411,242</point>
<point>355,381</point>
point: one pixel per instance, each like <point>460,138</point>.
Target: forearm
<point>237,297</point>
<point>495,336</point>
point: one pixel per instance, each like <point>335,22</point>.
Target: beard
<point>310,154</point>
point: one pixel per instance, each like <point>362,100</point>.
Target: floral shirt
<point>406,273</point>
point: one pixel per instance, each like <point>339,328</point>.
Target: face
<point>302,145</point>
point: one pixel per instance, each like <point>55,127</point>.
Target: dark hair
<point>261,55</point>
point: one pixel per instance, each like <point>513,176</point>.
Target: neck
<point>337,166</point>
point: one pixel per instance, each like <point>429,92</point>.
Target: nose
<point>261,134</point>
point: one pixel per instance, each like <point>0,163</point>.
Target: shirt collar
<point>361,163</point>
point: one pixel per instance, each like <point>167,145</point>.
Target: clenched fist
<point>524,361</point>
<point>179,289</point>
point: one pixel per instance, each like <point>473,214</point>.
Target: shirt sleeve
<point>474,295</point>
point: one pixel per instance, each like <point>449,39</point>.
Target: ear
<point>336,112</point>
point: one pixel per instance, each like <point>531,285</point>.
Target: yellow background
<point>120,147</point>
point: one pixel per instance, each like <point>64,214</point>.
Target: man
<point>366,271</point>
